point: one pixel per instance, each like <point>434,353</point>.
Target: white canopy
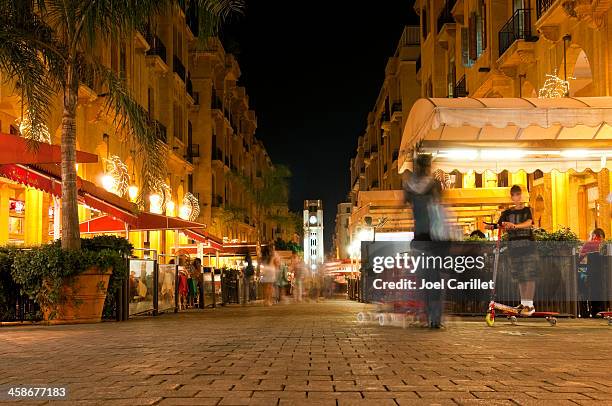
<point>510,133</point>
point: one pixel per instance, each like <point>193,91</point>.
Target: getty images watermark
<point>424,264</point>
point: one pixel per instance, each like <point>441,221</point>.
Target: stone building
<point>191,93</point>
<point>493,49</point>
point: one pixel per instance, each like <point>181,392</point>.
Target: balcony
<point>161,130</point>
<point>178,67</point>
<point>193,151</point>
<point>217,155</point>
<point>396,111</point>
<point>460,89</point>
<point>542,7</point>
<point>189,87</point>
<point>446,17</point>
<point>518,27</point>
<point>156,55</point>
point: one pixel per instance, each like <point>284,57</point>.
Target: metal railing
<point>516,28</point>
<point>157,47</point>
<point>446,17</point>
<point>189,86</point>
<point>162,131</point>
<point>542,7</point>
<point>178,67</point>
<point>460,88</point>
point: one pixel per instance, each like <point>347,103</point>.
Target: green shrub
<point>42,271</point>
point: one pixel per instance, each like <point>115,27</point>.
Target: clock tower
<point>313,234</point>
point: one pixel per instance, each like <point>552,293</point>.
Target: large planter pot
<point>83,299</point>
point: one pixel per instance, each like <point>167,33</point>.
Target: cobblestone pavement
<point>315,354</point>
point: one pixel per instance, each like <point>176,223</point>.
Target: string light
<point>25,128</point>
<point>554,87</point>
<point>190,207</point>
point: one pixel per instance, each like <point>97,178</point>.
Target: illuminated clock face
<point>312,220</point>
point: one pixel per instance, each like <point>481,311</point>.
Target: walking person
<point>198,283</point>
<point>422,191</point>
<point>297,268</point>
<point>247,279</point>
<point>268,270</point>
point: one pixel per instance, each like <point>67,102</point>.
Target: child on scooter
<point>517,222</point>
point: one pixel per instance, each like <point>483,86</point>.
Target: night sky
<point>312,71</point>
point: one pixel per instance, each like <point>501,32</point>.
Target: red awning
<point>15,151</point>
<point>144,222</point>
<point>203,237</point>
<point>47,178</point>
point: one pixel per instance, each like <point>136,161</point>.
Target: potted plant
<point>69,285</point>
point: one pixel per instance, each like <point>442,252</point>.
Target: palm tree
<point>46,49</point>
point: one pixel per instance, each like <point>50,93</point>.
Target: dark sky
<point>312,71</point>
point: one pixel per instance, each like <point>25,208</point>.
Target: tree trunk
<point>70,208</point>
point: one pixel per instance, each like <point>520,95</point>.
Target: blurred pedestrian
<point>268,271</point>
<point>422,191</point>
<point>183,289</point>
<point>196,289</point>
<point>297,268</point>
<point>247,279</point>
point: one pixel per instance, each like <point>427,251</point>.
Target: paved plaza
<point>315,354</point>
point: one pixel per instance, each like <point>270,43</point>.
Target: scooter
<point>512,313</point>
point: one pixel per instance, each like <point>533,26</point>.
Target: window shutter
<point>472,38</point>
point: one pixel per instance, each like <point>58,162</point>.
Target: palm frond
<point>131,118</point>
<point>30,57</point>
<point>213,13</point>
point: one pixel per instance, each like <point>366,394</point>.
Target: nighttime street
<point>315,354</point>
<point>268,202</point>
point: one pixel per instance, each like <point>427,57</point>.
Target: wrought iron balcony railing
<point>460,88</point>
<point>157,47</point>
<point>542,6</point>
<point>446,17</point>
<point>516,28</point>
<point>178,67</point>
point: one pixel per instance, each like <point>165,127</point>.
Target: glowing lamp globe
<point>170,207</point>
<point>133,192</point>
<point>184,212</point>
<point>155,201</point>
<point>108,183</point>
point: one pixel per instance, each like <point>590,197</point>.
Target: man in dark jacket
<point>422,191</point>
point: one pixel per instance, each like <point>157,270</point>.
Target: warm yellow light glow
<point>108,183</point>
<point>460,154</point>
<point>133,192</point>
<point>498,154</point>
<point>170,207</point>
<point>575,153</point>
<point>155,201</point>
<point>184,212</point>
